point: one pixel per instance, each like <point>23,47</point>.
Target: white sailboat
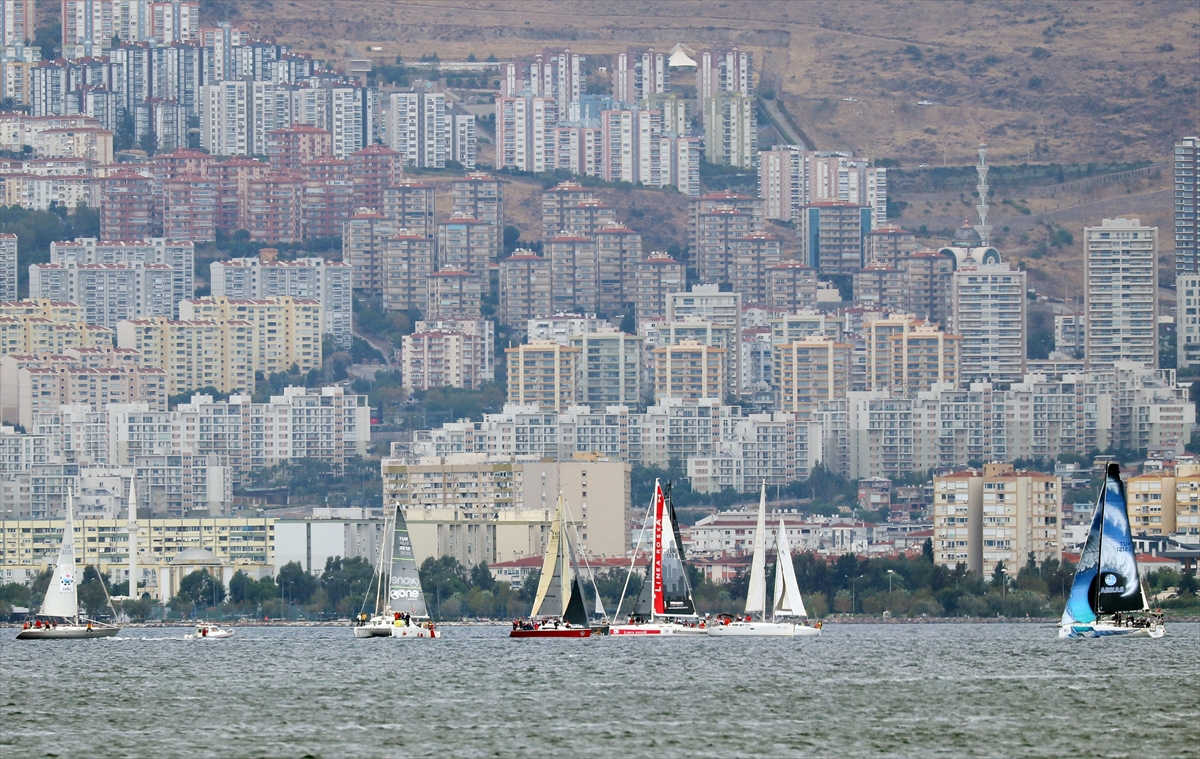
<point>787,614</point>
<point>59,619</point>
<point>559,609</point>
<point>665,605</point>
<point>402,614</point>
<point>1107,598</point>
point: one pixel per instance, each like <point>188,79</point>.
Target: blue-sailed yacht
<point>1107,599</point>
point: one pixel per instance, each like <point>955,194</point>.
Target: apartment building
<point>928,285</point>
<point>808,371</point>
<point>274,206</point>
<point>44,388</point>
<point>194,353</point>
<point>406,271</point>
<point>879,286</point>
<point>108,292</point>
<point>449,353</point>
<point>327,282</point>
<point>482,511</point>
<point>989,312</point>
<point>365,238</point>
<point>1000,516</point>
<point>543,373</point>
<point>127,208</point>
<point>618,251</point>
<point>709,303</point>
<point>374,168</point>
<point>466,243</point>
<point>284,331</point>
<point>190,208</point>
<point>690,370</point>
<point>886,245</point>
<point>8,267</point>
<point>1187,206</point>
<point>655,277</point>
<point>573,274</point>
<point>1187,331</point>
<point>454,294</point>
<point>525,288</point>
<point>790,287</point>
<point>752,258</point>
<point>409,205</point>
<point>1121,292</point>
<point>478,195</point>
<point>832,234</point>
<point>716,231</point>
<point>178,256</point>
<point>327,198</point>
<point>610,368</point>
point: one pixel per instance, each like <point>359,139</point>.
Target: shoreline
<point>833,620</point>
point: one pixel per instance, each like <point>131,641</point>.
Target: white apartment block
<point>327,282</point>
<point>1121,293</point>
<point>419,126</point>
<point>8,267</point>
<point>790,177</point>
<point>1187,321</point>
<point>989,306</point>
<point>226,118</point>
<point>178,255</point>
<point>449,353</point>
<point>109,293</point>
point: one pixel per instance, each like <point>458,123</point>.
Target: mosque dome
<point>966,237</point>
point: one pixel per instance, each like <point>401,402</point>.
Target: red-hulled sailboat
<point>559,609</point>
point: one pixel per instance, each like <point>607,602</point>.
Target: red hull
<point>579,632</point>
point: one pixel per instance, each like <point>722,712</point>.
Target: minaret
<point>983,228</point>
<point>132,528</point>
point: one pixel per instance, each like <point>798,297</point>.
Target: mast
<point>132,528</point>
<point>756,593</point>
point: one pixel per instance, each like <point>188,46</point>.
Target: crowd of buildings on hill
<point>737,359</point>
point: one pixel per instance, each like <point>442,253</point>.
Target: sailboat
<point>59,616</point>
<point>1107,598</point>
<point>665,605</point>
<point>559,610</point>
<point>403,614</point>
<point>787,608</point>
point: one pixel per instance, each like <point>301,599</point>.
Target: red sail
<point>658,548</point>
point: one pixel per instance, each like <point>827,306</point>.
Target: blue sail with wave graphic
<point>1118,587</point>
<point>1079,607</point>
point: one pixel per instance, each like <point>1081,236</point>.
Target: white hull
<point>374,630</point>
<point>1109,630</point>
<point>68,632</point>
<point>655,629</point>
<point>762,630</point>
<point>414,631</point>
<point>214,633</point>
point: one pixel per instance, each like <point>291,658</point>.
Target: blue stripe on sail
<point>1079,606</point>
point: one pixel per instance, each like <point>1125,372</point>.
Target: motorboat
<point>209,631</point>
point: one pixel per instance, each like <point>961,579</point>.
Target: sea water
<point>888,690</point>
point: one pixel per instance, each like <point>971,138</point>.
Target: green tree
<point>481,577</point>
<point>295,585</point>
<point>345,582</point>
<point>199,588</point>
<point>92,592</point>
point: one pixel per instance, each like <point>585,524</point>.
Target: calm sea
<point>936,690</point>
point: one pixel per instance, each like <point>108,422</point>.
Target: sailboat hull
<point>374,630</point>
<point>414,631</point>
<point>762,630</point>
<point>68,632</point>
<point>655,629</point>
<point>564,632</point>
<point>1106,630</point>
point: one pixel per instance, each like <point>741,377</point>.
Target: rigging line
<point>378,575</point>
<point>582,553</point>
<point>633,561</point>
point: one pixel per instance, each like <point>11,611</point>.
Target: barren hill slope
<point>1048,81</point>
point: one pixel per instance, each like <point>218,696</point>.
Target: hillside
<point>1061,82</point>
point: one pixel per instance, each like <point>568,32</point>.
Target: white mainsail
<point>788,602</point>
<point>62,598</point>
<point>132,528</point>
<point>554,586</point>
<point>756,593</point>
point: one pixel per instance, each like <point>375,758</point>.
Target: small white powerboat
<point>209,631</point>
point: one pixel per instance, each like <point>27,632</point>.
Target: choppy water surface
<point>948,690</point>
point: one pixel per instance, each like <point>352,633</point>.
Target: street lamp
<point>890,573</point>
<point>853,589</point>
<point>1003,582</point>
